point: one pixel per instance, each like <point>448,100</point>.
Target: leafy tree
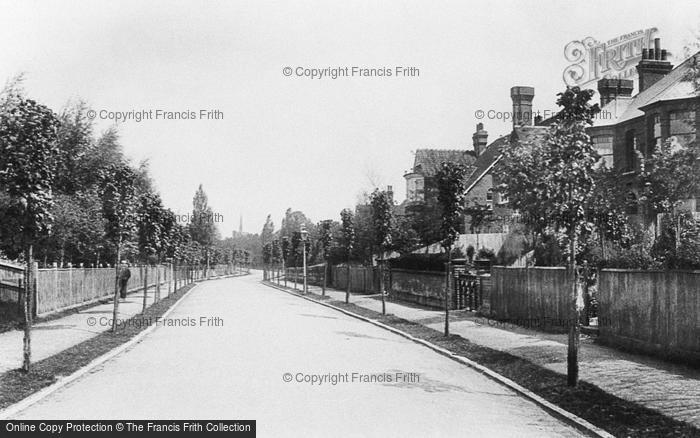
<point>325,240</point>
<point>119,205</point>
<point>202,227</point>
<point>451,179</point>
<point>28,151</point>
<point>669,176</point>
<point>479,214</point>
<point>75,143</point>
<point>554,181</point>
<point>348,232</point>
<point>382,225</point>
<point>268,230</point>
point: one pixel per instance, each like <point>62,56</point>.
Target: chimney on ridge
<point>522,105</point>
<point>480,139</point>
<point>611,89</point>
<point>653,65</point>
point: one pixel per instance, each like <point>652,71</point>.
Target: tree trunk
<point>347,290</point>
<point>325,276</point>
<point>575,325</point>
<point>115,313</point>
<point>28,309</point>
<point>447,291</point>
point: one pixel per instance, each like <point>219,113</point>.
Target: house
<point>665,108</point>
<point>483,181</point>
<point>421,187</point>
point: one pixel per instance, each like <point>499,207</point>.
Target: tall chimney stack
<point>653,65</point>
<point>611,89</point>
<point>480,139</point>
<point>522,105</point>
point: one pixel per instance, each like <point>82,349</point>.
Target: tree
<point>348,241</point>
<point>451,182</point>
<point>669,176</point>
<point>202,227</point>
<point>479,215</point>
<point>325,239</point>
<point>382,225</point>
<point>554,181</point>
<point>119,205</point>
<point>28,152</point>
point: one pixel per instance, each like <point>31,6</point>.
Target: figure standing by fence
<point>124,276</point>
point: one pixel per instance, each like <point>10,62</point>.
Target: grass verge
<point>613,414</point>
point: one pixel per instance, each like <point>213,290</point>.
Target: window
<point>630,151</point>
<point>603,145</point>
<point>489,196</point>
<point>682,126</point>
<point>656,131</point>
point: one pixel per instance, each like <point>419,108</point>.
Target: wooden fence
<point>537,297</point>
<point>59,289</point>
<point>654,311</point>
<point>65,288</point>
<point>11,283</point>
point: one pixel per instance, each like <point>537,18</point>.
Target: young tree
<point>202,227</point>
<point>119,205</point>
<point>451,179</point>
<point>28,151</point>
<point>554,182</point>
<point>479,214</point>
<point>325,239</point>
<point>348,241</point>
<point>670,175</point>
<point>382,225</point>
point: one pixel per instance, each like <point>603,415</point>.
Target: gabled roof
<point>672,86</point>
<point>486,161</point>
<point>492,154</point>
<point>428,161</point>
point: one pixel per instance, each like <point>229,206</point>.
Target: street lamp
<point>304,235</point>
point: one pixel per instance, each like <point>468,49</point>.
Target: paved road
<point>233,369</point>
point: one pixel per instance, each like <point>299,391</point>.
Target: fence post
<point>35,282</point>
<point>144,269</point>
<point>347,291</point>
<point>157,298</point>
<point>325,275</point>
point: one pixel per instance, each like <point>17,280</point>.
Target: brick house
<point>421,185</point>
<point>483,181</point>
<point>665,108</point>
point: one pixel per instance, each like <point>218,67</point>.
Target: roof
<point>486,160</point>
<point>672,86</point>
<point>428,161</point>
<point>492,154</point>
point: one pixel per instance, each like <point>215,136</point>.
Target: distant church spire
<point>240,225</point>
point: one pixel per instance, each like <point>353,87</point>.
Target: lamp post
<point>304,235</point>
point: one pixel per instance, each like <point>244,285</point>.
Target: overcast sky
<point>309,144</point>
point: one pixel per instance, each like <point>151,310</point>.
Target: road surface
<point>237,339</point>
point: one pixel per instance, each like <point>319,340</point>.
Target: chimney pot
<point>645,53</point>
<point>657,48</point>
<point>654,66</point>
